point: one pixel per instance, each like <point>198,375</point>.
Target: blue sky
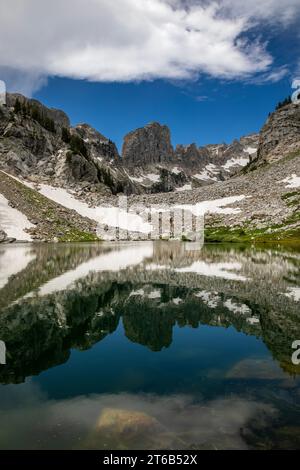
<point>229,111</point>
<point>211,70</point>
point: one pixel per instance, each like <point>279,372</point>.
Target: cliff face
<point>280,135</point>
<point>148,145</point>
<point>38,143</point>
<point>40,148</point>
<point>59,117</point>
<point>150,148</point>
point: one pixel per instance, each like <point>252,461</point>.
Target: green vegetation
<point>292,198</point>
<point>35,112</point>
<point>65,135</point>
<point>283,103</point>
<point>77,145</point>
<point>237,234</point>
<point>17,107</point>
<point>75,235</point>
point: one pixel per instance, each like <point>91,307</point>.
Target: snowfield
<point>153,177</point>
<point>215,206</point>
<point>250,150</point>
<point>208,174</point>
<point>294,293</point>
<point>13,222</point>
<point>112,216</point>
<point>235,162</point>
<point>117,217</point>
<point>186,187</point>
<point>176,170</point>
<point>292,181</point>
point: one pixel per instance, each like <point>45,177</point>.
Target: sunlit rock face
<point>148,150</point>
<point>38,144</point>
<point>280,136</point>
<point>148,145</point>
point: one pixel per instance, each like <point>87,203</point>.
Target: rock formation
<point>280,135</point>
<point>38,145</point>
<point>148,145</point>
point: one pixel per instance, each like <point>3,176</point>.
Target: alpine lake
<point>150,345</point>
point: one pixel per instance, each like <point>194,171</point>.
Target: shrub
<point>65,135</point>
<point>283,103</point>
<point>17,107</point>
<point>77,145</point>
<point>48,124</point>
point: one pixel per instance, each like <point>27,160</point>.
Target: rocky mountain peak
<point>147,145</point>
<point>280,135</point>
<point>59,117</point>
<point>100,147</point>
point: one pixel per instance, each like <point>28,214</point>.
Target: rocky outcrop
<point>100,147</point>
<point>280,135</point>
<point>268,209</point>
<point>38,144</point>
<point>59,117</point>
<point>192,157</point>
<point>148,145</point>
<point>148,150</point>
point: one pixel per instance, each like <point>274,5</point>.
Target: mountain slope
<point>46,220</point>
<point>67,175</point>
<point>39,144</point>
<point>268,206</point>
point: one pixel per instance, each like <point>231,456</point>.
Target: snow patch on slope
<point>176,170</point>
<point>250,150</point>
<point>211,299</point>
<point>13,222</point>
<point>111,216</point>
<point>238,161</point>
<point>186,187</point>
<point>294,293</point>
<point>115,217</point>
<point>208,173</point>
<point>153,177</point>
<point>292,181</point>
<point>213,206</point>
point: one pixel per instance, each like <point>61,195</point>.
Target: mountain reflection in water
<point>131,374</point>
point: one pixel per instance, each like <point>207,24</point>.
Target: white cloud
<point>125,40</point>
<point>275,11</point>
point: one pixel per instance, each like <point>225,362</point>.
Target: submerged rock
<point>130,429</point>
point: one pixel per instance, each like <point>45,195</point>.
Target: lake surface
<point>149,346</point>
